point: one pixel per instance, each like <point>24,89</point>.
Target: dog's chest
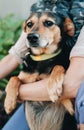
<point>45,66</point>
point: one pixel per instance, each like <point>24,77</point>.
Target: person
<point>79,107</point>
<point>79,104</point>
<point>73,77</point>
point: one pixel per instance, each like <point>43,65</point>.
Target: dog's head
<point>44,32</point>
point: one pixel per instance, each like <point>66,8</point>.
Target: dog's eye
<point>48,23</point>
<point>30,24</point>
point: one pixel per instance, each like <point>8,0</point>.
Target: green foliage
<point>10,30</point>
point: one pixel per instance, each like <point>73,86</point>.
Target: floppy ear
<point>68,27</point>
<point>24,26</point>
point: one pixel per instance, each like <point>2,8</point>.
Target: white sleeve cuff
<point>78,49</point>
<point>77,52</point>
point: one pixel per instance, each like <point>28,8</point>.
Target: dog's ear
<point>68,27</point>
<point>24,26</point>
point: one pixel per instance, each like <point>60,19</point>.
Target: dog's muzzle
<point>33,39</point>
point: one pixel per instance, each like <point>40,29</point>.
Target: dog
<point>46,58</point>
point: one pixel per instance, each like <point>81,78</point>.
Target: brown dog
<point>46,58</point>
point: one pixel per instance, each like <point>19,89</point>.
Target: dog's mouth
<point>41,44</point>
<point>37,41</point>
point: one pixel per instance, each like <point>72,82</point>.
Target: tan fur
<point>68,105</point>
<point>11,94</point>
<point>46,116</point>
<point>55,87</point>
<point>49,33</point>
<point>69,27</point>
<point>27,77</point>
<point>55,83</point>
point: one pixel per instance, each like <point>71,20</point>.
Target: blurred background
<point>20,8</point>
<point>12,15</point>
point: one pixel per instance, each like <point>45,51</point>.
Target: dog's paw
<point>55,83</point>
<point>9,104</point>
<point>11,94</point>
<point>26,77</point>
<point>56,91</point>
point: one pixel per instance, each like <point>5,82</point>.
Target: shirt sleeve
<point>79,105</point>
<point>20,49</point>
<point>78,49</point>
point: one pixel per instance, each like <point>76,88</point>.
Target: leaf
<point>10,30</point>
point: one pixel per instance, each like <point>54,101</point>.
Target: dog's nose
<point>33,37</point>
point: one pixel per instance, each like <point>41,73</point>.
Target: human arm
<point>75,73</point>
<point>15,56</point>
<point>7,65</point>
<point>36,91</point>
<point>74,76</point>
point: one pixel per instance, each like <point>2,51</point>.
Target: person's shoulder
<point>82,30</point>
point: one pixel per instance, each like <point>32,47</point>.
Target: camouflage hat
<point>44,6</point>
<point>59,7</point>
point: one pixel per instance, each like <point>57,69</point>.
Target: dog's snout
<point>33,37</point>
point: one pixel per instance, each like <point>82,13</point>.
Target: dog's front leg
<point>55,82</point>
<point>12,94</point>
<point>12,89</point>
<point>26,77</point>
